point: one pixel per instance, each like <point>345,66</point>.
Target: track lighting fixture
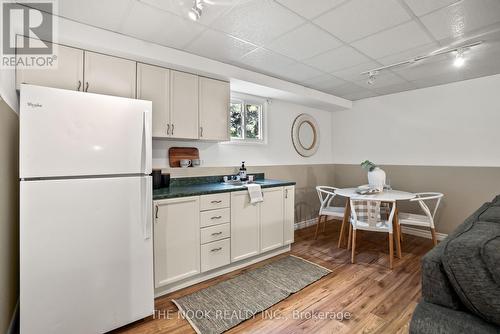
<point>196,11</point>
<point>459,60</point>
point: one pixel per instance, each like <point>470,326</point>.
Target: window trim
<point>249,99</point>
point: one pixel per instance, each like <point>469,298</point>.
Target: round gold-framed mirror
<point>305,135</point>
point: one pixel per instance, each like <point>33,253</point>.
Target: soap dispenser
<point>243,172</point>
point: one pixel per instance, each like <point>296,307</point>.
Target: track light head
<point>372,76</point>
<point>196,11</point>
<point>459,58</point>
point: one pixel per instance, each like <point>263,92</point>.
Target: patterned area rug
<point>218,308</point>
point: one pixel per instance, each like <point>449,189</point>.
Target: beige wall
<point>307,178</point>
<point>9,220</point>
<point>464,188</point>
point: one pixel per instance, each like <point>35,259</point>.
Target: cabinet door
<point>289,214</point>
<point>67,75</point>
<point>244,227</point>
<point>271,219</point>
<point>176,239</point>
<point>109,75</point>
<point>214,109</point>
<point>184,105</point>
<point>153,84</point>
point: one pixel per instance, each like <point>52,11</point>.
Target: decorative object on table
<point>185,163</point>
<point>156,174</point>
<point>196,162</point>
<point>176,154</point>
<point>367,190</point>
<point>165,180</point>
<point>376,176</point>
<point>247,294</point>
<point>305,135</point>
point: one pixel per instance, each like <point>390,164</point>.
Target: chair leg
<point>391,249</point>
<point>317,227</point>
<point>347,213</point>
<point>353,253</point>
<point>397,230</point>
<point>349,239</point>
<point>433,233</point>
<point>324,223</point>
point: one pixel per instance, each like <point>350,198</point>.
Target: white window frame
<point>245,99</point>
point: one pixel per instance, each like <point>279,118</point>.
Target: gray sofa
<point>461,279</point>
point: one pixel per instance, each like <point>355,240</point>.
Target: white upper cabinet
<point>214,109</point>
<point>289,214</point>
<point>244,227</point>
<point>153,84</point>
<point>176,239</point>
<point>271,219</point>
<point>183,105</point>
<point>67,75</point>
<point>109,75</point>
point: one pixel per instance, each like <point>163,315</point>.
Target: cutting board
<point>176,154</point>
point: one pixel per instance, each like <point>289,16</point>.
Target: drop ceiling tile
<point>354,73</point>
<point>305,9</point>
<point>409,54</point>
<point>324,82</point>
<point>440,65</point>
<point>421,7</point>
<point>219,46</point>
<point>258,21</point>
<point>391,89</point>
<point>337,59</point>
<point>348,88</point>
<point>359,18</point>
<point>394,40</point>
<point>440,79</point>
<point>462,17</point>
<point>304,42</point>
<point>298,72</point>
<point>103,14</point>
<point>359,95</point>
<point>150,24</point>
<point>265,61</point>
<point>182,7</point>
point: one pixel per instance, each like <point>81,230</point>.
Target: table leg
<point>397,233</point>
<point>345,221</point>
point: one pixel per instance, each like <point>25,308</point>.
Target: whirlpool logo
<point>34,105</point>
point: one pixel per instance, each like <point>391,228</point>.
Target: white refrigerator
<point>86,252</point>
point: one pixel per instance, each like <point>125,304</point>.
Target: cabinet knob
<point>172,129</point>
<point>201,131</point>
<point>216,249</point>
<point>156,211</point>
<point>216,217</point>
<point>87,86</point>
<point>215,202</point>
<point>217,233</point>
<point>79,85</point>
<point>168,128</point>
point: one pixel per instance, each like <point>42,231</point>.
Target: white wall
<point>278,150</point>
<point>450,125</point>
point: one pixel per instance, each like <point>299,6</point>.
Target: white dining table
<point>384,196</point>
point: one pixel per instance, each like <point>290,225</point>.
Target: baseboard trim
<point>405,229</point>
<point>422,233</point>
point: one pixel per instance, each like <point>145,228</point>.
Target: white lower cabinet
<point>176,239</point>
<point>289,215</point>
<point>197,234</point>
<point>245,226</point>
<point>271,219</point>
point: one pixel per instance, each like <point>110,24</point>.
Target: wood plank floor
<point>378,300</point>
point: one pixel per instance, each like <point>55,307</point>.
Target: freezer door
<point>67,133</point>
<point>86,254</point>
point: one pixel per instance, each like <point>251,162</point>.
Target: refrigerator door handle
<point>147,203</point>
<point>146,123</point>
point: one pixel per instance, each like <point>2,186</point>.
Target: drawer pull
<point>216,249</point>
<point>217,233</point>
<point>216,217</point>
<point>216,202</point>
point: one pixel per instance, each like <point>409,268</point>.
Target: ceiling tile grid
<point>321,44</point>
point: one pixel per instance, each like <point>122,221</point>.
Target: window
<point>246,121</point>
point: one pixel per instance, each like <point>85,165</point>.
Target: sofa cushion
<point>436,287</point>
<point>492,214</point>
<point>470,259</point>
<point>433,319</point>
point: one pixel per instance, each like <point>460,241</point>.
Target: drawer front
<point>215,254</point>
<point>215,201</point>
<point>214,233</point>
<point>215,217</point>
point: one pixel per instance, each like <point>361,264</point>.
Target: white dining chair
<point>326,195</point>
<point>366,215</point>
<point>427,219</point>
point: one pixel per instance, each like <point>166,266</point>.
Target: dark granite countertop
<point>211,188</point>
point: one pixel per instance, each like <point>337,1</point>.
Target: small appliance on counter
<point>160,180</point>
